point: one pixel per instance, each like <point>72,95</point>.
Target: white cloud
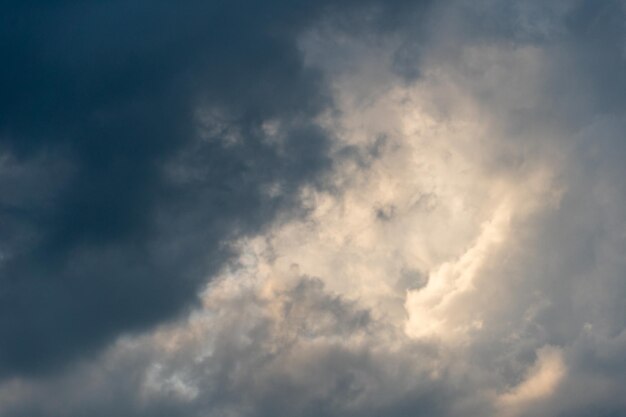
<point>542,379</point>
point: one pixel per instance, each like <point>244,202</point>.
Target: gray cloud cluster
<point>118,191</point>
<point>449,180</point>
<point>304,352</point>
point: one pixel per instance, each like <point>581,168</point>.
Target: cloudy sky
<point>353,208</point>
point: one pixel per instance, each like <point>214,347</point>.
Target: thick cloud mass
<point>313,208</point>
<point>134,140</point>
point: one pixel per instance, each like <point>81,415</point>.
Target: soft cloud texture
<point>441,233</point>
<point>123,178</point>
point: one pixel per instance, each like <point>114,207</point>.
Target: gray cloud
<point>472,266</point>
<point>303,354</point>
<point>116,206</point>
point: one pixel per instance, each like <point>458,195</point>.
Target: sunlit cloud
<point>388,208</point>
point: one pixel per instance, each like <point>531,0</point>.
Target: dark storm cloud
<point>115,205</point>
<point>305,360</point>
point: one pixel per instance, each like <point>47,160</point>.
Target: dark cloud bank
<point>132,143</point>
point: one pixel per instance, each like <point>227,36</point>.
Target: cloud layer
<point>133,147</point>
<point>339,209</point>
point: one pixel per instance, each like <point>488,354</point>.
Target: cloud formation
<point>340,209</point>
<point>134,145</point>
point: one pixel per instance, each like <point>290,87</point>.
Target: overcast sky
<point>354,208</point>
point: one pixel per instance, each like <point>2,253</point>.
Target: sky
<point>353,208</point>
